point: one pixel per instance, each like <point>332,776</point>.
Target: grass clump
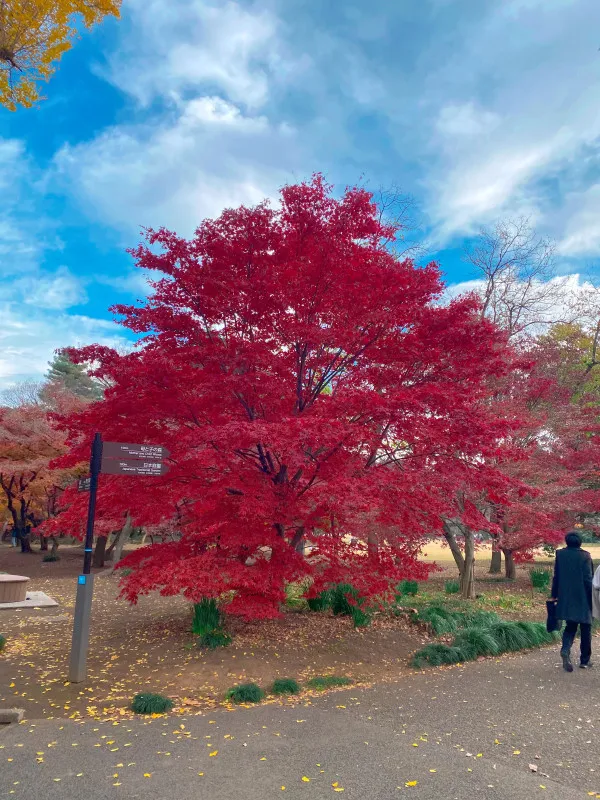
<point>511,637</point>
<point>452,587</point>
<point>207,624</point>
<point>540,578</point>
<point>322,682</point>
<point>476,641</point>
<point>440,619</point>
<point>344,600</point>
<point>2,642</point>
<point>407,588</point>
<point>437,654</point>
<point>146,703</point>
<point>321,602</point>
<point>50,557</point>
<point>285,686</point>
<point>245,693</point>
<point>214,639</point>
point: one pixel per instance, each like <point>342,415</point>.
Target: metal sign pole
<point>85,582</point>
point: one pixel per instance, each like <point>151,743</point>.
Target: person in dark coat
<point>572,590</point>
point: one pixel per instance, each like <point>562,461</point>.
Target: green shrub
<point>436,654</point>
<point>151,704</point>
<point>285,686</point>
<point>206,616</point>
<point>476,641</point>
<point>405,588</point>
<point>452,587</point>
<point>322,682</point>
<point>214,639</point>
<point>321,602</point>
<point>2,642</point>
<point>245,693</point>
<point>50,557</point>
<point>360,617</point>
<point>540,578</point>
<point>340,602</point>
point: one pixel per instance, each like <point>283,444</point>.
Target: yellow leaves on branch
<point>34,34</point>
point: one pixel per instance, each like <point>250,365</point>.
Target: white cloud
<point>29,336</point>
<point>170,48</point>
<point>581,235</point>
<point>59,291</point>
<point>513,105</point>
<point>190,164</point>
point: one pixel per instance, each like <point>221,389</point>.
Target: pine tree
<point>73,377</point>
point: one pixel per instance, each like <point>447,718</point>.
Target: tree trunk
<point>509,565</point>
<point>449,531</point>
<point>116,549</point>
<point>496,562</point>
<point>99,551</point>
<point>43,543</point>
<point>467,578</point>
<point>54,547</point>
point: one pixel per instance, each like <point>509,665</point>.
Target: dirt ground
<point>149,647</point>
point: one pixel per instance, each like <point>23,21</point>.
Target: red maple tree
<point>558,438</point>
<point>311,389</point>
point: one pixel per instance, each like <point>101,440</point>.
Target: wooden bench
<point>13,588</point>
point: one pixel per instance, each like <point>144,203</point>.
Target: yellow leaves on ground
<point>411,783</point>
<point>34,34</point>
<point>214,753</point>
<point>305,779</point>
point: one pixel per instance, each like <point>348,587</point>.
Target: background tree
<point>519,289</point>
<point>310,387</point>
<point>34,34</point>
<point>29,442</point>
<point>73,378</point>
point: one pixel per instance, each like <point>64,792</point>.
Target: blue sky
<point>480,109</point>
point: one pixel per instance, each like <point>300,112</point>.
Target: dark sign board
<point>114,466</point>
<point>146,452</point>
<point>83,484</point>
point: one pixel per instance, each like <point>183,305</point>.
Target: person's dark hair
<point>573,539</point>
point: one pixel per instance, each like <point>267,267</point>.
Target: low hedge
<point>498,637</point>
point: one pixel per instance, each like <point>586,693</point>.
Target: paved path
<point>467,733</point>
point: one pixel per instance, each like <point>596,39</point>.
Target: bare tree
<point>27,393</point>
<point>400,210</point>
<point>520,291</point>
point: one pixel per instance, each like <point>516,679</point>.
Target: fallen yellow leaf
<point>214,753</point>
<point>305,779</point>
<point>411,783</point>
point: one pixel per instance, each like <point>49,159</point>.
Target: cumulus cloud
<point>203,157</point>
<point>29,336</point>
<point>171,48</point>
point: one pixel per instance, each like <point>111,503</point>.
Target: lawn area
<point>149,647</point>
<point>438,552</point>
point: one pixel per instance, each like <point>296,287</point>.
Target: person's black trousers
<point>586,639</point>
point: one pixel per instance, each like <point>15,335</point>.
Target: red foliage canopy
<point>560,446</point>
<point>309,386</point>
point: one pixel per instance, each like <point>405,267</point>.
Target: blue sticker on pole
<point>81,580</point>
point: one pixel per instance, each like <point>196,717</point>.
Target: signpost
<point>112,466</point>
<point>111,458</point>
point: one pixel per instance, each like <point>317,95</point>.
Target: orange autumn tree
<point>34,34</point>
<point>29,441</point>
